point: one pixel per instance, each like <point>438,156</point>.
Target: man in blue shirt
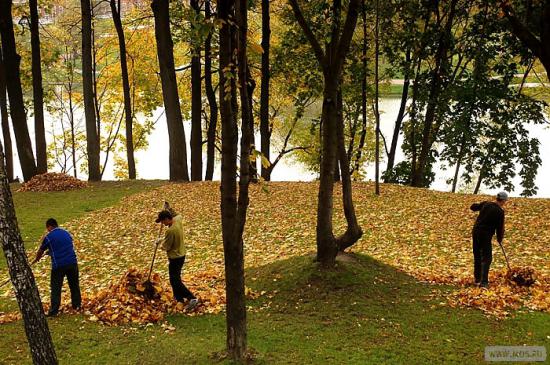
<point>59,244</point>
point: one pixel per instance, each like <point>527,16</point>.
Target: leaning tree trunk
<point>400,114</point>
<point>8,149</point>
<point>364,47</point>
<point>265,128</point>
<point>353,231</point>
<point>26,291</point>
<point>233,212</point>
<point>539,44</point>
<point>128,117</point>
<point>212,103</point>
<point>15,93</point>
<point>38,92</point>
<point>92,135</point>
<point>196,97</point>
<point>429,133</point>
<point>165,52</point>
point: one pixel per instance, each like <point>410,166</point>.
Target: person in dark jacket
<point>58,244</point>
<point>489,221</point>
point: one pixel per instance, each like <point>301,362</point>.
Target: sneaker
<point>52,314</point>
<point>484,285</point>
<point>192,304</point>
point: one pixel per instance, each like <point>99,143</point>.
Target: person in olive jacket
<point>174,245</point>
<point>489,221</point>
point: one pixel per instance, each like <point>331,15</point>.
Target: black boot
<point>485,274</point>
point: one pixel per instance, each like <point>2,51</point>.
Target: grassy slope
<point>33,208</point>
<point>363,312</point>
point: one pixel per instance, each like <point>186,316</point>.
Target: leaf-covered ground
<point>421,232</point>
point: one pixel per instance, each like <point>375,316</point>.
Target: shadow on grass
<point>362,312</point>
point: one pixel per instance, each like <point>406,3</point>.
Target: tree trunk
<point>401,113</point>
<point>428,132</point>
<point>73,132</point>
<point>233,213</point>
<point>212,103</point>
<point>326,242</point>
<point>337,171</point>
<point>165,52</point>
<point>332,64</point>
<point>92,136</point>
<point>26,291</point>
<point>265,128</point>
<point>479,180</point>
<point>6,135</point>
<point>364,48</point>
<point>376,110</point>
<point>38,92</point>
<point>128,117</point>
<point>15,93</point>
<point>538,44</point>
<point>196,98</point>
<point>251,85</point>
<point>353,231</point>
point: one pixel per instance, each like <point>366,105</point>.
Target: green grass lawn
<point>362,312</point>
<point>34,208</point>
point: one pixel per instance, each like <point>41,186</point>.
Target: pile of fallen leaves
<point>127,300</point>
<point>522,276</point>
<point>52,181</point>
<point>503,295</point>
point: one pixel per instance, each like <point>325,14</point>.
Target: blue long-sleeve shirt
<point>61,249</point>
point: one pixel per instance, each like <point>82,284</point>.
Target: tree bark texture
<point>265,127</point>
<point>196,99</point>
<point>331,62</point>
<point>15,93</point>
<point>128,115</point>
<point>233,210</point>
<point>38,92</point>
<point>6,135</point>
<point>212,102</point>
<point>353,231</point>
<point>165,53</point>
<point>26,291</point>
<point>92,134</point>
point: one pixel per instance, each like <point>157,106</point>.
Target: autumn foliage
<point>426,234</point>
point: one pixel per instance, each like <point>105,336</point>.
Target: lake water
<point>152,163</point>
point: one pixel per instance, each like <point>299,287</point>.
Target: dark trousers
<point>483,255</point>
<point>56,283</point>
<point>178,287</point>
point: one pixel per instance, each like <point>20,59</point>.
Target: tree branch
<point>308,32</point>
<point>521,31</point>
<point>347,32</point>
